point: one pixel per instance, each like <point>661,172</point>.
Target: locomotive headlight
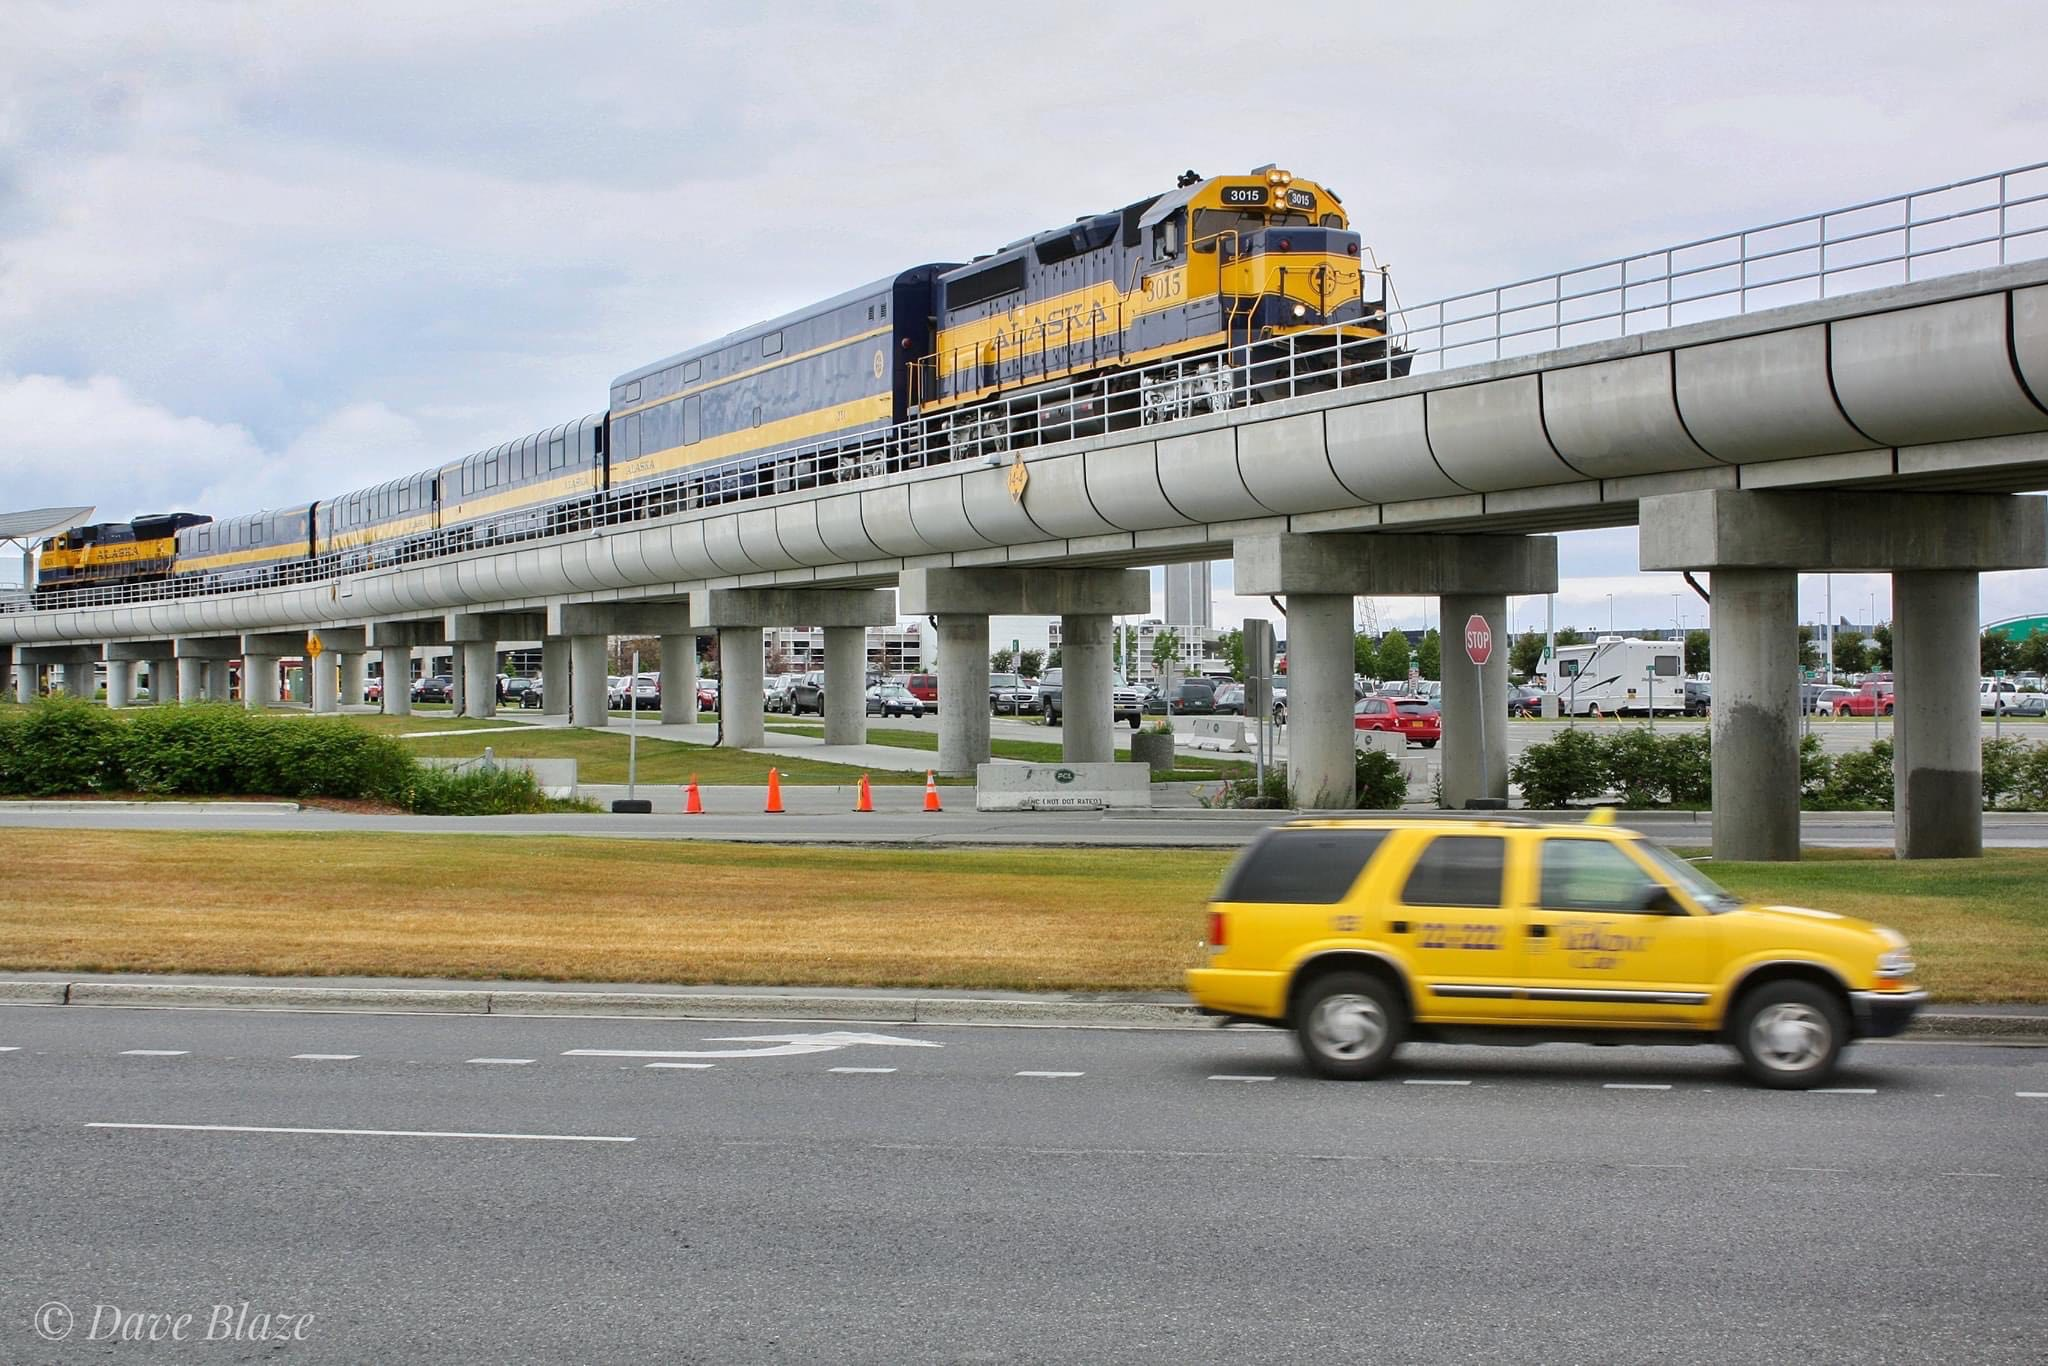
<point>1301,310</point>
<point>1276,177</point>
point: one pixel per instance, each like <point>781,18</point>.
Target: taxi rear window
<point>1315,867</point>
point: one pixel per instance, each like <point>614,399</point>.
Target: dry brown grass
<point>577,909</point>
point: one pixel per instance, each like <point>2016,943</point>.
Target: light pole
<point>1610,614</point>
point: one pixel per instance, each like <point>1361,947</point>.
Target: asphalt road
<point>996,1195</point>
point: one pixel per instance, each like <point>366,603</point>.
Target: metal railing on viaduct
<point>1826,376</point>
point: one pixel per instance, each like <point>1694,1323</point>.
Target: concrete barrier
<point>1414,764</point>
<point>239,997</point>
<point>1228,734</point>
<point>1061,787</point>
<point>557,777</point>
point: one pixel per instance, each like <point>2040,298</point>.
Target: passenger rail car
<point>723,418</point>
<point>539,485</point>
<point>387,524</point>
<point>255,551</point>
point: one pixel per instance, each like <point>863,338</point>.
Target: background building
<point>1187,595</point>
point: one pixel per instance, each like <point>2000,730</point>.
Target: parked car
<point>707,694</point>
<point>807,694</point>
<point>892,699</point>
<point>2003,697</point>
<point>1823,703</point>
<point>1318,927</point>
<point>434,688</point>
<point>531,697</point>
<point>647,693</point>
<point>1230,699</point>
<point>1699,696</point>
<point>373,691</point>
<point>1191,697</point>
<point>1873,698</point>
<point>516,688</point>
<point>1524,700</point>
<point>1416,719</point>
<point>925,688</point>
<point>776,690</point>
<point>1010,694</point>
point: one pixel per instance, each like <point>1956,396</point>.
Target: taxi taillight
<point>1216,929</point>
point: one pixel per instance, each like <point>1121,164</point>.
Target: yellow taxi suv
<point>1360,935</point>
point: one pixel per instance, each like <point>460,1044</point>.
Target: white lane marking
<point>1052,1074</point>
<point>1993,1175</point>
<point>1635,1086</point>
<point>367,1133</point>
<point>1845,1090</point>
<point>781,1046</point>
<point>1659,1166</point>
<point>156,1052</point>
<point>2023,1095</point>
<point>504,1062</point>
<point>861,1069</point>
<point>686,1066</point>
<point>1833,1170</point>
<point>325,1057</point>
<point>1227,1076</point>
<point>16,1048</point>
<point>1432,1081</point>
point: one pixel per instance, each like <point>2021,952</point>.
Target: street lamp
<point>1610,614</point>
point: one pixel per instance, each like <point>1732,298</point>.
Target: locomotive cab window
<point>1167,235</point>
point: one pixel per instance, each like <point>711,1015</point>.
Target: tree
<point>1699,652</point>
<point>1571,635</point>
<point>1429,655</point>
<point>1127,654</point>
<point>1883,636</point>
<point>1165,652</point>
<point>1809,653</point>
<point>1052,661</point>
<point>1525,656</point>
<point>1230,649</point>
<point>1393,664</point>
<point>1365,655</point>
<point>1001,660</point>
<point>777,661</point>
<point>1849,652</point>
<point>2033,653</point>
<point>1030,662</point>
<point>1995,651</point>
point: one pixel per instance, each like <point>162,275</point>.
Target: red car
<point>1413,718</point>
<point>925,688</point>
<point>1874,698</point>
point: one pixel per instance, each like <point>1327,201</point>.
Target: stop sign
<point>1478,639</point>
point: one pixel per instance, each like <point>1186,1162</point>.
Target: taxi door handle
<point>1539,931</point>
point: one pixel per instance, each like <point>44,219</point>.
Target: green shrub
<point>1690,770</point>
<point>477,792</point>
<point>1636,768</point>
<point>1246,793</point>
<point>2004,763</point>
<point>1816,767</point>
<point>2030,784</point>
<point>1381,784</point>
<point>220,750</point>
<point>1861,781</point>
<point>195,751</point>
<point>61,745</point>
<point>1568,769</point>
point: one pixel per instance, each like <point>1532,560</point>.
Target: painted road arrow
<point>779,1046</point>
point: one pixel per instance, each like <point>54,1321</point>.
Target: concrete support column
<point>25,681</point>
<point>739,686</point>
<point>259,680</point>
<point>1755,717</point>
<point>191,679</point>
<point>218,688</point>
<point>846,679</point>
<point>963,691</point>
<point>120,682</point>
<point>1087,706</point>
<point>324,676</point>
<point>456,675</point>
<point>77,679</point>
<point>589,705</point>
<point>1322,771</point>
<point>355,677</point>
<point>1937,737</point>
<point>1475,703</point>
<point>398,681</point>
<point>479,696</point>
<point>554,675</point>
<point>679,679</point>
<point>163,681</point>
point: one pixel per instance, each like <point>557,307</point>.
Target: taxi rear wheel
<point>1348,1025</point>
<point>1790,1034</point>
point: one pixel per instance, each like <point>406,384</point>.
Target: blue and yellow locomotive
<point>1223,291</point>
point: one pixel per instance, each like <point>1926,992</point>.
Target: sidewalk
<point>2022,1024</point>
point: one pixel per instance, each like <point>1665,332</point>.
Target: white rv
<point>1621,676</point>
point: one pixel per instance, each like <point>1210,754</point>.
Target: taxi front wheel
<point>1348,1025</point>
<point>1790,1034</point>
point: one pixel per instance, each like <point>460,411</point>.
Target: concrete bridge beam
<point>1320,575</point>
<point>1934,545</point>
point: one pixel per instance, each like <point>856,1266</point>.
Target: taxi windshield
<point>1698,885</point>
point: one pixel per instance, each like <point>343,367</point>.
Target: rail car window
<point>771,345</point>
<point>633,392</point>
<point>1167,234</point>
<point>691,421</point>
<point>558,453</point>
<point>1004,277</point>
<point>692,369</point>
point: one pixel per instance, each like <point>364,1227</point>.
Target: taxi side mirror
<point>1656,899</point>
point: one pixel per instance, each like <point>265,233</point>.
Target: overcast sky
<point>251,253</point>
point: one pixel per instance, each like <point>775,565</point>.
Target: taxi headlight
<point>1897,963</point>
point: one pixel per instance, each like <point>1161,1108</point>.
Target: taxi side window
<point>1312,867</point>
<point>1458,870</point>
<point>1592,875</point>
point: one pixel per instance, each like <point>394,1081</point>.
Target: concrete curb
<point>271,808</point>
<point>765,1005</point>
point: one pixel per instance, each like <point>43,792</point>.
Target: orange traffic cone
<point>693,804</point>
<point>864,799</point>
<point>774,807</point>
<point>931,792</point>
